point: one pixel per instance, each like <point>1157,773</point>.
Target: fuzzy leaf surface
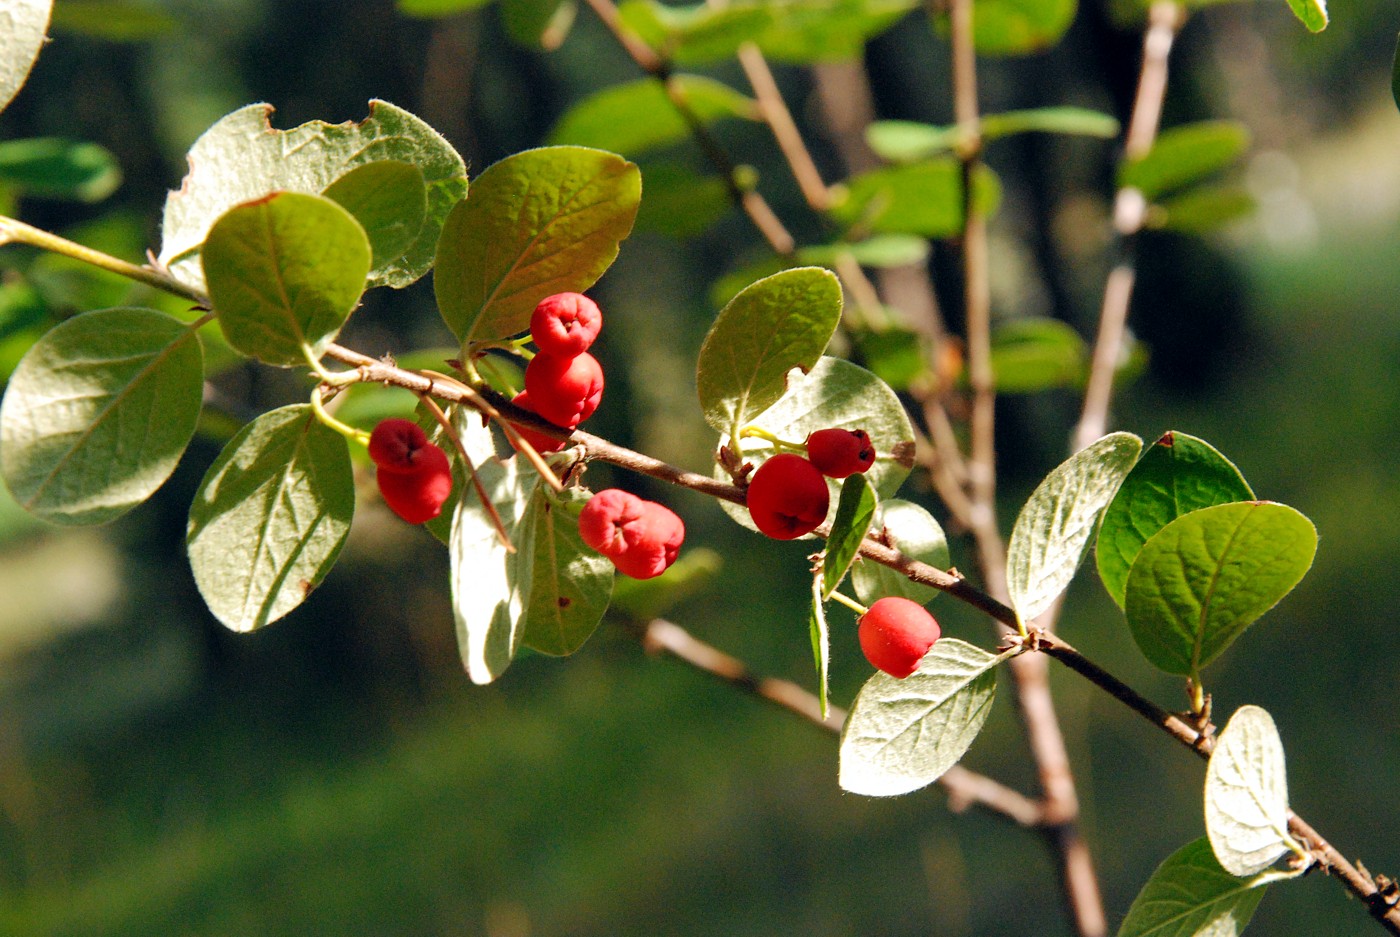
<point>855,509</point>
<point>1184,155</point>
<point>1177,474</point>
<point>544,221</point>
<point>1190,895</point>
<point>774,325</point>
<point>390,200</point>
<point>570,583</point>
<point>1053,529</point>
<point>98,413</point>
<point>914,532</point>
<point>270,517</point>
<point>241,158</point>
<point>637,117</point>
<point>902,735</point>
<point>1208,575</point>
<point>1247,794</point>
<point>23,24</point>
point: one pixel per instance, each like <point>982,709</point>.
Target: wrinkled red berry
<point>895,633</point>
<point>540,441</point>
<point>787,497</point>
<point>565,391</point>
<point>838,453</point>
<point>641,537</point>
<point>565,324</point>
<point>396,445</point>
<point>413,474</point>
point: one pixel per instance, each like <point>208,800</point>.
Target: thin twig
<point>776,114</point>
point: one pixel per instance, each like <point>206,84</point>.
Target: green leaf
<point>855,509</point>
<point>1247,794</point>
<point>905,141</point>
<point>98,413</point>
<point>1177,475</point>
<point>774,325</point>
<point>284,273</point>
<point>540,222</point>
<point>570,583</point>
<point>821,642</point>
<point>908,141</point>
<point>1206,576</point>
<point>428,9</point>
<point>1190,895</point>
<point>1312,13</point>
<point>920,198</point>
<point>639,116</point>
<point>113,22</point>
<point>1053,529</point>
<point>539,24</point>
<point>881,251</point>
<point>808,31</point>
<point>22,27</point>
<point>697,34</point>
<point>914,532</point>
<point>50,167</point>
<point>390,200</point>
<point>1200,210</point>
<point>1037,353</point>
<point>241,158</point>
<point>902,735</point>
<point>896,355</point>
<point>489,585</point>
<point>270,517</point>
<point>1016,27</point>
<point>680,203</point>
<point>1184,155</point>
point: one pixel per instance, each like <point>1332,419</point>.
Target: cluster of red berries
<point>563,382</point>
<point>641,537</point>
<point>414,474</point>
<point>895,633</point>
<point>788,496</point>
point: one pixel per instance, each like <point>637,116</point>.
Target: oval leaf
<point>540,222</point>
<point>774,325</point>
<point>1037,353</point>
<point>855,509</point>
<point>1178,474</point>
<point>98,413</point>
<point>912,531</point>
<point>241,158</point>
<point>1247,794</point>
<point>1206,576</point>
<point>284,273</point>
<point>1183,155</point>
<point>22,27</point>
<point>1014,27</point>
<point>270,517</point>
<point>639,116</point>
<point>390,200</point>
<point>810,31</point>
<point>1190,895</point>
<point>1312,13</point>
<point>1053,529</point>
<point>902,735</point>
<point>570,583</point>
<point>51,167</point>
<point>696,33</point>
<point>922,198</point>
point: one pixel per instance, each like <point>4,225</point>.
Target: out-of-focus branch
<point>776,114</point>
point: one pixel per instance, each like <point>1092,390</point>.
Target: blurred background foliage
<point>336,773</point>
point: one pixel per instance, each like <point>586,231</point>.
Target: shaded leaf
<point>22,27</point>
<point>1247,794</point>
<point>1206,576</point>
<point>694,571</point>
<point>1190,895</point>
<point>98,413</point>
<point>1200,210</point>
<point>270,518</point>
<point>61,169</point>
<point>680,203</point>
<point>1053,529</point>
<point>540,222</point>
<point>808,31</point>
<point>638,116</point>
<point>429,9</point>
<point>912,531</point>
<point>821,642</point>
<point>880,251</point>
<point>1183,155</point>
<point>570,583</point>
<point>1037,353</point>
<point>113,22</point>
<point>695,34</point>
<point>902,735</point>
<point>895,355</point>
<point>855,509</point>
<point>539,24</point>
<point>1016,27</point>
<point>920,198</point>
<point>906,141</point>
<point>389,200</point>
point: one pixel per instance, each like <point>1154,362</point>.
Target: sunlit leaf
<point>1016,27</point>
<point>1247,794</point>
<point>1312,13</point>
<point>809,31</point>
<point>61,169</point>
<point>22,27</point>
<point>434,8</point>
<point>920,198</point>
<point>855,509</point>
<point>902,735</point>
<point>98,413</point>
<point>570,583</point>
<point>639,116</point>
<point>270,517</point>
<point>698,33</point>
<point>880,251</point>
<point>905,141</point>
<point>1037,353</point>
<point>1183,155</point>
<point>1206,576</point>
<point>389,200</point>
<point>912,531</point>
<point>1190,895</point>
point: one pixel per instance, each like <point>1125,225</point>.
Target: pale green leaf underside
<point>855,509</point>
<point>1190,895</point>
<point>98,412</point>
<point>1247,794</point>
<point>902,735</point>
<point>774,325</point>
<point>1206,576</point>
<point>914,532</point>
<point>241,158</point>
<point>22,27</point>
<point>284,273</point>
<point>1312,13</point>
<point>1053,529</point>
<point>570,583</point>
<point>540,222</point>
<point>270,517</point>
<point>639,116</point>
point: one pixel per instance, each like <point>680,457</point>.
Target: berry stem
<point>849,602</point>
<point>349,432</point>
<point>778,442</point>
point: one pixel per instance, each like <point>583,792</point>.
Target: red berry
<point>540,441</point>
<point>895,634</point>
<point>787,497</point>
<point>641,537</point>
<point>564,391</point>
<point>565,324</point>
<point>397,445</point>
<point>838,453</point>
<point>417,495</point>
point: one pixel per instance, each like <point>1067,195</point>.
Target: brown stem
<point>779,119</point>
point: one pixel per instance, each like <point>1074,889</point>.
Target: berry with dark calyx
<point>838,453</point>
<point>565,391</point>
<point>413,474</point>
<point>565,324</point>
<point>397,445</point>
<point>641,537</point>
<point>788,497</point>
<point>540,441</point>
<point>895,633</point>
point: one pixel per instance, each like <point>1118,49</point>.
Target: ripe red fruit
<point>896,633</point>
<point>565,324</point>
<point>414,475</point>
<point>641,537</point>
<point>838,453</point>
<point>787,497</point>
<point>540,441</point>
<point>396,445</point>
<point>564,391</point>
